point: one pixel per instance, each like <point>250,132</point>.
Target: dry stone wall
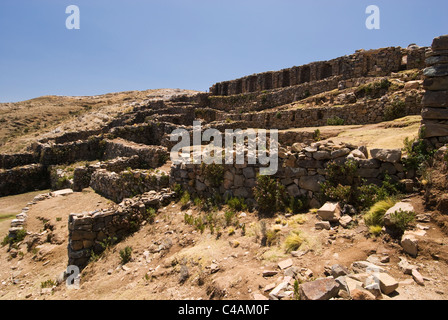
<point>24,179</point>
<point>380,62</point>
<point>128,183</point>
<point>301,170</point>
<point>435,100</point>
<point>90,232</point>
<point>150,156</point>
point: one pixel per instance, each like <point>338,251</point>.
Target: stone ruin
<point>130,148</point>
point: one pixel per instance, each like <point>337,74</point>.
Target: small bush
<point>237,204</point>
<point>335,121</point>
<point>418,152</point>
<point>48,284</point>
<point>401,219</point>
<point>214,173</point>
<point>126,255</point>
<point>396,109</point>
<point>270,194</point>
<point>316,135</point>
<point>20,235</point>
<point>185,199</point>
<point>229,216</point>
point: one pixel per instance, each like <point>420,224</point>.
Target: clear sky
<point>189,44</point>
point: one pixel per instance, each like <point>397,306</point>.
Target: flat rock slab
<point>63,192</point>
<point>285,264</point>
<point>323,289</point>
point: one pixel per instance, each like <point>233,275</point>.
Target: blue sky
<point>189,44</point>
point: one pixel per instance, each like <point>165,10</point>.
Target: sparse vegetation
<point>126,255</point>
<point>293,241</point>
<point>396,109</point>
<point>270,195</point>
<point>335,121</point>
<point>402,219</point>
<point>374,217</point>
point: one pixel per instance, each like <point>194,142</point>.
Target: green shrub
<point>126,255</point>
<point>185,199</point>
<point>396,109</point>
<point>237,204</point>
<point>214,173</point>
<point>270,194</point>
<point>344,185</point>
<point>316,135</point>
<point>401,219</point>
<point>48,284</point>
<point>335,121</point>
<point>20,235</point>
<point>229,215</point>
<point>296,205</point>
<point>417,154</point>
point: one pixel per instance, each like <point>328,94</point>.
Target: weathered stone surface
<point>345,221</point>
<point>338,270</point>
<point>410,85</point>
<point>361,294</point>
<point>322,155</point>
<point>435,99</point>
<point>433,128</point>
<point>433,60</point>
<point>323,289</point>
<point>322,225</point>
<point>285,264</point>
<point>365,266</point>
<point>387,283</point>
<point>387,155</point>
<point>436,71</point>
<point>418,278</point>
<point>436,84</point>
<point>340,153</point>
<point>293,190</point>
<point>435,113</point>
<point>410,244</point>
<point>330,211</point>
<point>311,183</point>
<point>405,266</point>
<point>369,164</point>
<point>440,43</point>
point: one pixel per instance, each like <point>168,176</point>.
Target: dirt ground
<point>230,267</point>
